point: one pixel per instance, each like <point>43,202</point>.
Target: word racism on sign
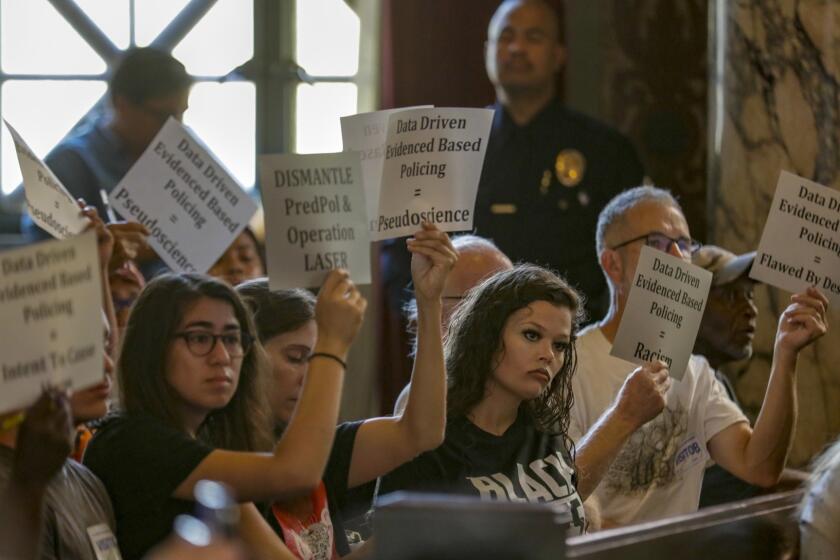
<point>318,220</point>
<point>800,245</point>
<point>47,200</point>
<point>186,198</point>
<point>663,311</point>
<point>367,133</point>
<point>50,299</point>
<point>433,160</point>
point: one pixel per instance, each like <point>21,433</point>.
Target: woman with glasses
<point>191,377</point>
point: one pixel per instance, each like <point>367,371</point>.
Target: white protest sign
<point>433,160</point>
<point>800,245</point>
<point>183,194</point>
<point>366,133</point>
<point>663,311</point>
<point>48,202</point>
<point>51,304</point>
<point>315,218</point>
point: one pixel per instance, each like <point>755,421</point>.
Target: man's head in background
<point>523,52</point>
<point>728,326</point>
<point>147,87</point>
<point>478,258</point>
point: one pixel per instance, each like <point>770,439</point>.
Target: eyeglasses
<point>200,343</point>
<point>662,242</point>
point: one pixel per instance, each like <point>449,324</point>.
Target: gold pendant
<point>570,166</point>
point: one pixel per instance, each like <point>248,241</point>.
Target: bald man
<point>548,170</point>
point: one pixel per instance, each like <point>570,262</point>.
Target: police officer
<point>548,171</point>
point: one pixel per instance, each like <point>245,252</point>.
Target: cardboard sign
<point>315,218</point>
<point>433,160</point>
<point>183,194</point>
<point>366,133</point>
<point>663,311</point>
<point>50,205</point>
<point>51,304</point>
<point>800,245</point>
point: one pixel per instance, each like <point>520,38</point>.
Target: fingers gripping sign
<point>339,311</point>
<point>803,322</point>
<point>642,397</point>
<point>432,258</point>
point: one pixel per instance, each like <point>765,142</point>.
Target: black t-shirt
<point>522,465</point>
<point>335,482</point>
<point>141,461</point>
<point>543,185</point>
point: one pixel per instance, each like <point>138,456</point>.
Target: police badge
<point>569,166</point>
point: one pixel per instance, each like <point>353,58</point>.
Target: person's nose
<point>219,354</point>
<point>674,250</point>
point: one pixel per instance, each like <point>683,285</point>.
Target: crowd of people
<point>514,394</point>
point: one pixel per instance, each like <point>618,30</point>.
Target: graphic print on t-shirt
<point>547,480</point>
<point>647,459</point>
<point>311,539</point>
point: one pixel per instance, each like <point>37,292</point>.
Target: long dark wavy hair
<point>279,311</point>
<point>244,423</point>
<point>474,341</point>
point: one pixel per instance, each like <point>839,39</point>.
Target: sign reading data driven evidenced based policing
<point>47,200</point>
<point>182,193</point>
<point>433,160</point>
<point>663,311</point>
<point>51,304</point>
<point>800,245</point>
<point>367,134</point>
<point>316,218</point>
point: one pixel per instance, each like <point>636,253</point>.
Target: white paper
<point>800,245</point>
<point>433,161</point>
<point>51,304</point>
<point>663,311</point>
<point>183,194</point>
<point>315,218</point>
<point>48,202</point>
<point>366,133</point>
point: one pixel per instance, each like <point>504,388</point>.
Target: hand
<point>45,439</point>
<point>131,241</point>
<point>432,257</point>
<point>803,322</point>
<point>642,397</point>
<point>338,312</point>
<point>104,238</point>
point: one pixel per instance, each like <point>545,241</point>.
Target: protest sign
<point>315,218</point>
<point>366,133</point>
<point>663,311</point>
<point>800,245</point>
<point>50,205</point>
<point>191,205</point>
<point>433,160</point>
<point>51,304</point>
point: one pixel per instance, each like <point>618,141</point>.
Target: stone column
<point>774,92</point>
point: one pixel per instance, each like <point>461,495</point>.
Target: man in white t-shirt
<point>658,469</point>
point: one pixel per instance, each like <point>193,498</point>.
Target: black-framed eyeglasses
<point>662,242</point>
<point>201,343</point>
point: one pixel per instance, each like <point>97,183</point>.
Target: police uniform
<point>542,187</point>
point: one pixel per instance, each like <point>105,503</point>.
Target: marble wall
<point>774,92</point>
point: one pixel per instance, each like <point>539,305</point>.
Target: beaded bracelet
<point>328,355</point>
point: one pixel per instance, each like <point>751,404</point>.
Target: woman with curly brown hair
<point>510,357</point>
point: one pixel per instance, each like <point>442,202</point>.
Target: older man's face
<point>644,219</point>
<point>728,324</point>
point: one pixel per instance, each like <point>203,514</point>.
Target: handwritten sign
<point>183,194</point>
<point>663,311</point>
<point>48,202</point>
<point>800,245</point>
<point>316,220</point>
<point>367,133</point>
<point>51,304</point>
<point>433,160</point>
